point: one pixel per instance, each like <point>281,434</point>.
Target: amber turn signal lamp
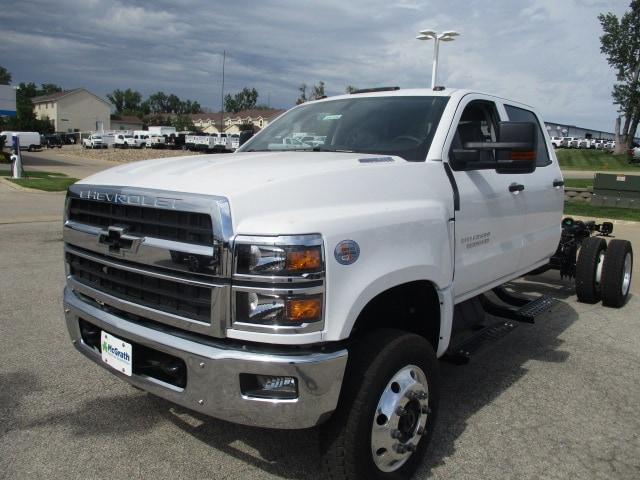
<point>305,259</point>
<point>307,309</point>
<point>525,155</point>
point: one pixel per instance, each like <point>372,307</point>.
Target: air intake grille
<point>188,301</point>
<point>187,227</point>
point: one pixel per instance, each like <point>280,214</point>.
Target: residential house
<point>76,110</point>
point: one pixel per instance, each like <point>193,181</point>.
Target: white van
<point>28,140</point>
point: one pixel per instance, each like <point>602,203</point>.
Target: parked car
<point>566,141</point>
<point>634,154</point>
<point>297,289</point>
<point>28,140</point>
<point>124,140</point>
<point>556,142</point>
<point>93,141</point>
<point>233,142</point>
<point>140,138</point>
<point>610,145</point>
<point>597,144</point>
<point>156,141</point>
<point>160,130</point>
<point>52,141</point>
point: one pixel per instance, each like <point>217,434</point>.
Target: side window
<point>478,123</point>
<point>517,114</point>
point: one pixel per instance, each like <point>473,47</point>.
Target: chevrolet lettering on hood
<point>129,199</point>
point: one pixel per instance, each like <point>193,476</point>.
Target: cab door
<point>543,195</point>
<point>489,223</point>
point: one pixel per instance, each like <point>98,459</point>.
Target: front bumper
<point>213,371</point>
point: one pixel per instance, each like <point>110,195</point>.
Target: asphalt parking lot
<point>555,400</point>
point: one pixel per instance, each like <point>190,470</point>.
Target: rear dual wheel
<point>603,272</point>
<point>616,273</point>
<point>387,409</point>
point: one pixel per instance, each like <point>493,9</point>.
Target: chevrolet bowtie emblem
<point>118,240</point>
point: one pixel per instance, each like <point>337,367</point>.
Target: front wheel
<point>387,409</point>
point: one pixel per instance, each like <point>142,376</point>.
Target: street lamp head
<point>428,32</point>
<point>450,33</point>
<point>425,37</point>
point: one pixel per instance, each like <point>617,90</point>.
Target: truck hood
<point>282,192</point>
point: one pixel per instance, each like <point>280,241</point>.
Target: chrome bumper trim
<point>213,386</point>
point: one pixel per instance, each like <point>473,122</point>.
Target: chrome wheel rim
<point>626,274</point>
<point>400,418</point>
<point>599,267</point>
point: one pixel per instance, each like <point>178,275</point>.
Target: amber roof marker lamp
<point>446,36</point>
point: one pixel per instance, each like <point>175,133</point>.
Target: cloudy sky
<point>542,52</point>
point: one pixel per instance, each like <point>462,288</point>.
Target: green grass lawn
<point>578,182</point>
<point>587,210</point>
<point>47,181</point>
<point>584,159</point>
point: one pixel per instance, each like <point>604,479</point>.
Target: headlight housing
<point>278,284</point>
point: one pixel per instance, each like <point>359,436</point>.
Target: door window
<point>478,123</point>
<point>517,114</point>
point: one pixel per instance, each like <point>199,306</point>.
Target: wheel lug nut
<point>400,448</point>
<point>422,395</point>
<point>396,434</point>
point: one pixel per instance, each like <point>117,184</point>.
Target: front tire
<point>588,270</point>
<point>387,409</point>
<point>616,273</point>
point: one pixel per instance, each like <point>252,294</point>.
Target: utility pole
<point>224,57</point>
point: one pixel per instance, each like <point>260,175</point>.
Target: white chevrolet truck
<point>292,285</point>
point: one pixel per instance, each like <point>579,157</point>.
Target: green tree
<point>317,91</point>
<point>183,123</point>
<point>350,89</point>
<point>158,103</point>
<point>621,44</point>
<point>5,76</point>
<point>303,94</point>
<point>127,101</point>
<point>246,99</point>
<point>25,118</point>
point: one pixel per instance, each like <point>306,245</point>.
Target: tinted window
<point>517,114</point>
<point>395,125</point>
<point>478,123</point>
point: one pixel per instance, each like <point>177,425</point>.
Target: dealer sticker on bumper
<point>116,353</point>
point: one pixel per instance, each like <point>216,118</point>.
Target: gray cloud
<point>543,52</point>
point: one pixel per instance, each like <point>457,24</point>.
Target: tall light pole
<point>447,36</point>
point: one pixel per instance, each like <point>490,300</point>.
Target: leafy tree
<point>350,89</point>
<point>246,99</point>
<point>317,91</point>
<point>127,101</point>
<point>25,118</point>
<point>5,76</point>
<point>303,94</point>
<point>158,103</point>
<point>621,44</point>
<point>183,123</point>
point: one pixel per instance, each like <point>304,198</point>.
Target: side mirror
<point>245,135</point>
<point>514,152</point>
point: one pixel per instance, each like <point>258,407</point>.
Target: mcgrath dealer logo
<point>347,252</point>
<point>107,347</point>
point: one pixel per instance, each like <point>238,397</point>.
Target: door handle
<point>558,183</point>
<point>516,187</point>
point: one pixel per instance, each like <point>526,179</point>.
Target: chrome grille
<point>158,255</point>
<point>178,226</point>
<point>191,301</point>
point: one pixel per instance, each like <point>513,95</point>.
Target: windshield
<point>402,126</point>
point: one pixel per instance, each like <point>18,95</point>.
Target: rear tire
<point>616,273</point>
<point>588,266</point>
<point>358,430</point>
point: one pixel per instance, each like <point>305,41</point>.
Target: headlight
<point>279,256</point>
<point>294,266</point>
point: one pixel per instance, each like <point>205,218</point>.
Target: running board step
<point>461,353</point>
<point>520,309</point>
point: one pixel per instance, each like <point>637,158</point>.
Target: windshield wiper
<point>320,148</point>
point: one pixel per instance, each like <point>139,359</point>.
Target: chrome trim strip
<point>164,276</point>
